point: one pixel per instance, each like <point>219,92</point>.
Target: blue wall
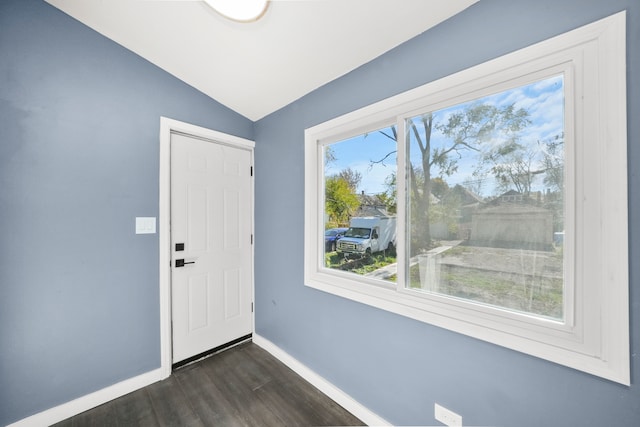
<point>79,152</point>
<point>395,366</point>
<point>79,121</point>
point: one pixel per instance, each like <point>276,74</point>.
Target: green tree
<point>439,187</point>
<point>389,196</point>
<point>340,201</point>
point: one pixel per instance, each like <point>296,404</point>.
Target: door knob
<point>181,263</point>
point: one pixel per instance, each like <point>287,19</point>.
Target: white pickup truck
<point>367,235</point>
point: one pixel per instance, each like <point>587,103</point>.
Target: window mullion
<point>401,204</point>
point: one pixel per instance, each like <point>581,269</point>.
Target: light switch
<point>145,225</point>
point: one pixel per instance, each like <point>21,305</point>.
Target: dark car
<point>331,237</point>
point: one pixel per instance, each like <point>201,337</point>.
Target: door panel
<point>232,294</point>
<point>211,213</point>
<point>198,302</point>
<point>232,216</point>
<point>197,214</point>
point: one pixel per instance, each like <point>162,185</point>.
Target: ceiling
<point>257,68</point>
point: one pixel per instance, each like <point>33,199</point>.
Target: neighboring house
<point>512,220</point>
<point>458,204</point>
<point>511,196</point>
<point>371,206</point>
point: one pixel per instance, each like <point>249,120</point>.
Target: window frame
<point>594,336</point>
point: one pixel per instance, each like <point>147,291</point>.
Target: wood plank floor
<point>242,386</point>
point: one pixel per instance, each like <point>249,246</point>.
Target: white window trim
<point>595,336</point>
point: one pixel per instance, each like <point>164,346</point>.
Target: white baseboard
<point>84,403</point>
<point>339,396</point>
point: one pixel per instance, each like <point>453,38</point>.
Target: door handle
<point>181,263</point>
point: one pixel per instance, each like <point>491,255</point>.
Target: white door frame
<point>167,126</point>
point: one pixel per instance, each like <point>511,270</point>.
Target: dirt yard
<point>521,280</point>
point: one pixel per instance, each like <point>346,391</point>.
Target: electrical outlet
<point>447,417</point>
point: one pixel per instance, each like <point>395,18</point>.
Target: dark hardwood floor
<point>242,386</point>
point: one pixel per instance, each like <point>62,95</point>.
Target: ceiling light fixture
<point>240,10</point>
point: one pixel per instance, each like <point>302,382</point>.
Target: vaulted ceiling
<point>257,68</point>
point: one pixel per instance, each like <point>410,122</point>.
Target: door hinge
<point>252,239</point>
<point>252,307</point>
<point>251,170</point>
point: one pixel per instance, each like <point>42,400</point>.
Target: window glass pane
<point>485,200</point>
<point>360,205</point>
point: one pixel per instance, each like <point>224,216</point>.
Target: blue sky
<point>544,101</point>
<point>357,153</point>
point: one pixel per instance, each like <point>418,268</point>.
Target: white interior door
<point>211,231</point>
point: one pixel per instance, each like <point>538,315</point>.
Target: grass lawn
<point>362,265</point>
<point>525,281</point>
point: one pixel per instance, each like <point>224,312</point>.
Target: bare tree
<point>515,166</point>
<point>353,177</point>
<point>553,160</point>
